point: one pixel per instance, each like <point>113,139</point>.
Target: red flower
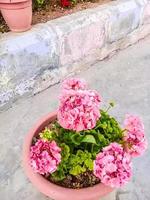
<point>65,3</point>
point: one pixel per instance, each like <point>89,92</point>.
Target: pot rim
<point>48,188</point>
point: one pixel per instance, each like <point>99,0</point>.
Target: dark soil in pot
<point>86,179</point>
<point>3,26</point>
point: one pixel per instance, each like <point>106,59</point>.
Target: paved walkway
<point>125,78</point>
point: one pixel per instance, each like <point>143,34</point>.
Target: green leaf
<point>74,160</point>
<point>58,175</point>
<point>47,134</point>
<point>104,125</point>
<point>112,104</point>
<point>77,138</point>
<point>89,139</point>
<point>77,170</point>
<point>40,2</point>
<point>65,153</point>
<point>89,164</point>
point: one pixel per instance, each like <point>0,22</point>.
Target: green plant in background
<point>74,2</point>
<point>40,2</point>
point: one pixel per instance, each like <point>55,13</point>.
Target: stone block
<point>125,17</point>
<point>146,14</point>
<point>23,57</point>
<point>79,36</point>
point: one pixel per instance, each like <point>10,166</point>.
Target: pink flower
<point>113,166</point>
<point>138,149</point>
<point>136,142</point>
<point>79,110</point>
<point>133,123</point>
<point>74,84</point>
<point>45,157</point>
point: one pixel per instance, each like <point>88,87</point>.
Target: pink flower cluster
<point>74,84</point>
<point>113,166</point>
<point>45,157</point>
<point>78,109</point>
<point>136,142</point>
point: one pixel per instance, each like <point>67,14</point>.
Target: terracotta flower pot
<point>18,16</point>
<point>52,190</point>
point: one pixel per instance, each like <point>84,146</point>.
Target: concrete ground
<point>125,78</point>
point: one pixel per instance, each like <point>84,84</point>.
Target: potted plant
<point>17,14</point>
<point>81,152</point>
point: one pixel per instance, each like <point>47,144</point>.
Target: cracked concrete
<point>125,78</point>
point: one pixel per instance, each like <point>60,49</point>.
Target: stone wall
<point>32,61</point>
